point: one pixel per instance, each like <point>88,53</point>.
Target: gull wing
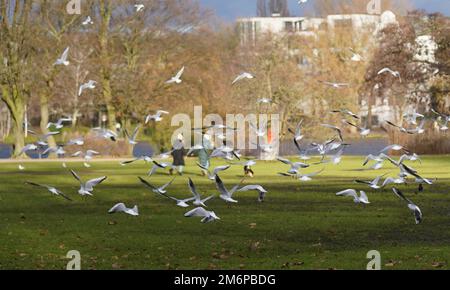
<point>158,165</point>
<point>363,198</point>
<point>94,182</point>
<point>120,207</point>
<point>180,73</point>
<point>348,192</point>
<point>129,162</point>
<point>92,153</point>
<point>417,213</point>
<point>202,167</point>
<point>38,185</point>
<point>221,187</point>
<point>74,174</point>
<point>386,69</point>
<point>401,195</point>
<point>166,185</point>
<point>238,78</point>
<point>388,180</point>
<point>221,168</point>
<point>63,195</point>
<point>208,198</point>
<point>285,161</point>
<point>197,212</point>
<point>193,189</point>
<point>65,54</point>
<point>146,183</point>
<point>253,187</point>
<point>313,174</point>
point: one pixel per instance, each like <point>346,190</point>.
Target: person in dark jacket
<point>178,154</point>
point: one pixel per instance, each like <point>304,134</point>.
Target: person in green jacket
<point>203,154</point>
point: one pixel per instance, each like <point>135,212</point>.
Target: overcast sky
<point>231,9</point>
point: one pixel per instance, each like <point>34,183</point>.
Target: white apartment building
<point>252,28</point>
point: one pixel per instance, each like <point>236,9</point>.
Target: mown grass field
<point>300,226</point>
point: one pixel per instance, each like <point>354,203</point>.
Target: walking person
<point>178,154</point>
<point>203,154</point>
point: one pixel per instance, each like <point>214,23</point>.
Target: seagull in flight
<point>27,148</point>
<point>418,216</point>
<point>147,159</point>
<point>392,72</point>
<point>243,76</point>
<point>121,207</point>
<point>163,192</point>
<point>212,175</point>
<point>298,136</point>
<point>87,188</point>
<point>394,147</point>
<point>346,112</point>
<point>43,139</point>
<point>51,189</point>
<point>132,138</point>
<point>361,199</point>
<point>324,148</point>
<point>88,21</point>
<point>372,184</point>
<point>198,201</point>
<point>208,216</point>
<point>158,190</point>
<point>302,177</point>
<point>390,180</point>
<point>295,166</point>
<point>336,85</point>
<point>156,166</point>
<point>401,128</point>
<point>261,191</point>
<point>364,132</point>
<point>261,131</point>
<point>378,159</point>
<point>337,129</point>
<point>157,117</point>
<point>139,7</point>
<point>106,134</point>
<point>63,59</point>
<point>225,194</point>
<point>60,124</point>
<point>88,156</point>
<point>59,150</point>
<point>89,85</point>
<point>76,141</point>
<point>412,117</point>
<point>356,57</point>
<point>266,101</point>
<point>177,78</point>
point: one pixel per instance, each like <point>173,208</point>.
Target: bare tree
<point>16,34</point>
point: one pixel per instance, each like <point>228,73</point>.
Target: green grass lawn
<point>300,226</point>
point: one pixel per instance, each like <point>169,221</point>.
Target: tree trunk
<point>19,133</point>
<point>45,119</point>
<point>75,118</point>
<point>111,111</point>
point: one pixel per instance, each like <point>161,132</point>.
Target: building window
<point>289,27</point>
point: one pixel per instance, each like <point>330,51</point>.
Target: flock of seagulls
<point>330,151</point>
